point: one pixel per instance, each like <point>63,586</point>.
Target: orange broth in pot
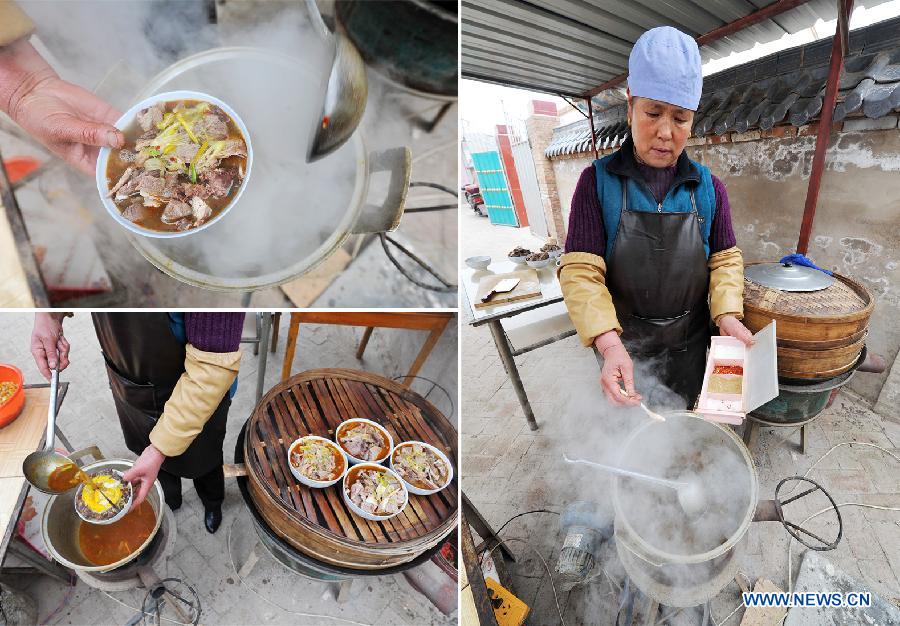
<point>106,544</point>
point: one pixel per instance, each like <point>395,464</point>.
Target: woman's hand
<point>617,366</point>
<point>70,121</point>
<point>48,346</point>
<point>144,472</point>
<point>731,326</point>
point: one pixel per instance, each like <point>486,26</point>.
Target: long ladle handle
<point>671,484</point>
<point>51,411</point>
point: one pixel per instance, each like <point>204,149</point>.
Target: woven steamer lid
<point>841,297</point>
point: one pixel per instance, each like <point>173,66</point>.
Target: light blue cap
<point>665,65</point>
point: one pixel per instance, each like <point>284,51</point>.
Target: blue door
<point>494,190</point>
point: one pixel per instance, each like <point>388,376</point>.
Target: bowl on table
<point>478,262</point>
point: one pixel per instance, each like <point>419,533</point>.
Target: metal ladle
<point>345,95</point>
<point>38,465</point>
<point>690,493</point>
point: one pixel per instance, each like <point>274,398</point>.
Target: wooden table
<point>432,322</point>
<point>26,434</point>
<point>551,293</point>
<point>21,284</point>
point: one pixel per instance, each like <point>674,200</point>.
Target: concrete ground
<point>270,593</point>
<point>508,469</point>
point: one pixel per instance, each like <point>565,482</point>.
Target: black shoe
<point>212,519</point>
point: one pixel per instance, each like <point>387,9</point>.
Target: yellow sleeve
<point>726,283</point>
<point>206,379</point>
<point>14,23</point>
<point>582,277</point>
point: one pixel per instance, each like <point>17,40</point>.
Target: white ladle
<point>690,493</point>
<point>656,416</point>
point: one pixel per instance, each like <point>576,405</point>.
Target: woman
<point>650,253</point>
<point>172,376</point>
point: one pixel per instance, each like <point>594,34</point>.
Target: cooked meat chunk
<point>219,182</point>
<point>150,117</point>
<point>185,224</point>
<point>211,127</point>
<point>173,187</point>
<point>201,210</point>
<point>175,211</point>
<point>127,155</point>
<point>122,180</point>
<point>199,190</point>
<point>135,212</point>
<point>151,184</point>
<point>186,151</point>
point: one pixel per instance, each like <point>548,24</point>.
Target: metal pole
<point>593,134</point>
<point>509,362</point>
<point>825,122</point>
<point>263,354</point>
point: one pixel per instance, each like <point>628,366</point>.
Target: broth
<point>106,544</point>
<point>152,217</point>
<point>67,476</point>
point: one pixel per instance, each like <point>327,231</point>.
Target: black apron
<point>659,281</point>
<point>144,361</point>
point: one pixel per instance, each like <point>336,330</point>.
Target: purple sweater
<point>214,332</point>
<point>586,231</point>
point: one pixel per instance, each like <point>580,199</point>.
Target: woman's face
<point>659,130</point>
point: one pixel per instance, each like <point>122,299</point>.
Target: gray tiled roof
<point>782,88</point>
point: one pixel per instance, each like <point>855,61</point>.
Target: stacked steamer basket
<point>317,523</point>
<point>822,325</point>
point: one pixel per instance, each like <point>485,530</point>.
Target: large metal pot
<point>60,522</point>
<point>293,215</point>
<point>677,560</point>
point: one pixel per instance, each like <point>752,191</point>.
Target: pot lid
<point>788,277</point>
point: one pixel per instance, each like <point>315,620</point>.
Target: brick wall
<point>540,133</point>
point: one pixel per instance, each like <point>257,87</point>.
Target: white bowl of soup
<point>186,161</point>
<point>317,462</point>
<point>423,468</point>
<point>364,441</point>
<point>374,492</point>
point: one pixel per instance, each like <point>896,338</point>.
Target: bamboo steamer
<point>820,334</point>
<point>316,521</point>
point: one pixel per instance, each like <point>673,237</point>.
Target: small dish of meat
<point>317,462</point>
<point>374,492</point>
<point>186,161</point>
<point>423,468</point>
<point>364,441</point>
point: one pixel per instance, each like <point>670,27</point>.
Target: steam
<point>290,210</point>
<point>588,427</point>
